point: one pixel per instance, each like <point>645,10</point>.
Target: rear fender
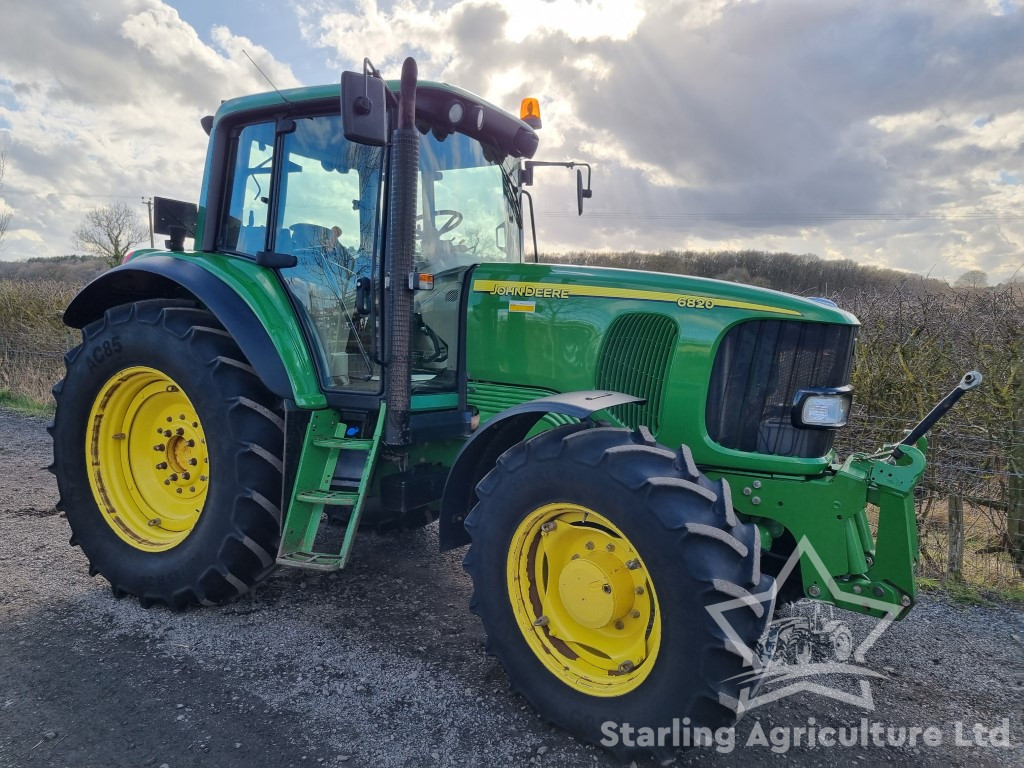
<point>481,452</point>
<point>161,276</point>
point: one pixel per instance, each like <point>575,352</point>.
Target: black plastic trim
<point>480,453</point>
<point>156,277</point>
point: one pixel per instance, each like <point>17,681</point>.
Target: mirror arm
<point>533,226</point>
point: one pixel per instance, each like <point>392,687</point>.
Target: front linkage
<point>840,561</point>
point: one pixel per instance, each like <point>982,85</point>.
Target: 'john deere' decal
<point>517,289</point>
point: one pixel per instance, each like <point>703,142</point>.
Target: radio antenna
<point>285,100</point>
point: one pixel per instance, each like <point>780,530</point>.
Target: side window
<point>244,228</point>
<point>327,217</point>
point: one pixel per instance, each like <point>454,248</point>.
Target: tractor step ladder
<point>325,439</point>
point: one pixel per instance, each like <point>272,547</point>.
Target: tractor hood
<point>567,328</point>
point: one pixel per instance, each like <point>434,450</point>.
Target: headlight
<point>822,408</point>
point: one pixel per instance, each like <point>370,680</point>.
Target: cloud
<point>786,124</point>
<point>887,132</point>
<point>101,101</point>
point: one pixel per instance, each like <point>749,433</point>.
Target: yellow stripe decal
<point>517,289</point>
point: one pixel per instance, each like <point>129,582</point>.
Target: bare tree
<point>5,215</point>
<point>974,278</point>
<point>111,231</point>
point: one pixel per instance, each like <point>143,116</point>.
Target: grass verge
<point>24,404</point>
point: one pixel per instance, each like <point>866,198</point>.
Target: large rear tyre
<point>167,451</point>
<point>595,556</point>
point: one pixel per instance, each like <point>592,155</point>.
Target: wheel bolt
<point>192,462</point>
<point>179,431</point>
<point>626,666</point>
<point>174,476</point>
<point>609,547</point>
<point>169,419</point>
<point>635,614</point>
<point>639,590</point>
<point>182,417</point>
<point>203,478</point>
<point>619,625</point>
<point>167,482</point>
<point>167,433</point>
<point>192,489</point>
<point>633,564</point>
<point>589,545</point>
<point>162,465</point>
<point>542,621</point>
<point>191,443</point>
<point>177,490</point>
<point>155,521</point>
<point>549,526</point>
<point>158,447</point>
<point>575,557</point>
<point>607,589</point>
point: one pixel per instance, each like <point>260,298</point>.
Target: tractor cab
<point>290,187</point>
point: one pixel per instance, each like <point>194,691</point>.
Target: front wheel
<point>597,559</point>
<point>167,451</point>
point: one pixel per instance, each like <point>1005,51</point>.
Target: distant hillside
<point>63,269</point>
<point>804,274</point>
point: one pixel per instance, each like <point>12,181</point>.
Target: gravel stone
<point>109,676</point>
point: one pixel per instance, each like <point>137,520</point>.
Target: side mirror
<point>176,219</point>
<point>364,110</point>
<point>581,192</point>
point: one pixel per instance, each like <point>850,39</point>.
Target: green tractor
<point>357,335</point>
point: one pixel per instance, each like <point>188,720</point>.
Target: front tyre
<point>167,452</point>
<point>595,556</point>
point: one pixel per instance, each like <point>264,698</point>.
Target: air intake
<point>634,360</point>
<point>759,367</point>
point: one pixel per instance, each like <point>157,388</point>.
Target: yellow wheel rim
<point>583,599</point>
<point>147,459</point>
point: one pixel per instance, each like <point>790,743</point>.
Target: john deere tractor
<point>360,333</point>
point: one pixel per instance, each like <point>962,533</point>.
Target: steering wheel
<point>454,219</point>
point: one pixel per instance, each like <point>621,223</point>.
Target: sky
<point>886,132</point>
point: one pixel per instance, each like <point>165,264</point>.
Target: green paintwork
<point>266,297</point>
<point>829,512</point>
<point>325,439</point>
<point>556,346</point>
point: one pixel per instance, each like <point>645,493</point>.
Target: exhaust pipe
<point>405,160</point>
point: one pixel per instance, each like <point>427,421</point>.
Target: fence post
<point>955,560</point>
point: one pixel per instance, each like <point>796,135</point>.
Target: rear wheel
<point>167,452</point>
<point>595,557</point>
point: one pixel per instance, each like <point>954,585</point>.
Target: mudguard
<point>480,453</point>
<point>166,277</point>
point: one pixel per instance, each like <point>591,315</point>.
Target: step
<point>343,443</point>
<point>312,561</point>
<point>329,498</point>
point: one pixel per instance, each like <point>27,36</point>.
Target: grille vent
<point>635,360</point>
<point>760,366</point>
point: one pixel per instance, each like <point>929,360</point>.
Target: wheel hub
<point>596,589</point>
<point>147,458</point>
<point>583,599</point>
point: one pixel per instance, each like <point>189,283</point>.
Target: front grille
<point>759,368</point>
<point>634,360</point>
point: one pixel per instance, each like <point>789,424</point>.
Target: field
<point>918,337</point>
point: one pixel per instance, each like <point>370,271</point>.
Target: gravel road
<point>382,665</point>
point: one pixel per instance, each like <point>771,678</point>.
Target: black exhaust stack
<point>405,160</point>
